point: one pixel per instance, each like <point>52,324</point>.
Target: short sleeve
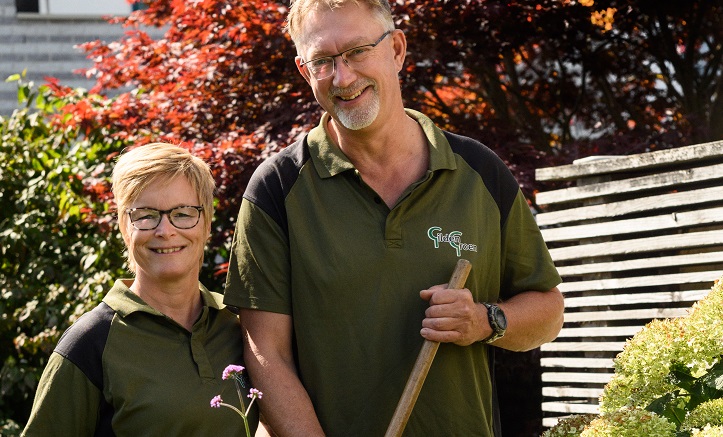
<point>66,402</point>
<point>527,264</point>
<point>259,267</point>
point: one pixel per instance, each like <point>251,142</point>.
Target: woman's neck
<point>181,301</point>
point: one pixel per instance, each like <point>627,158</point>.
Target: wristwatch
<point>497,320</point>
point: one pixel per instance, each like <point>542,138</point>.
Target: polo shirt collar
<point>124,301</point>
<point>330,161</point>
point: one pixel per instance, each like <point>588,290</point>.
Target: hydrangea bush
<point>668,380</point>
<point>706,414</point>
<point>629,422</point>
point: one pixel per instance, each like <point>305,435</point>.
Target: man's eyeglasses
<point>182,217</point>
<point>323,67</point>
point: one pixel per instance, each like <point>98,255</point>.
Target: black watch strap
<point>497,321</point>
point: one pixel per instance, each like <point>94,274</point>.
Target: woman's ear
<point>123,228</point>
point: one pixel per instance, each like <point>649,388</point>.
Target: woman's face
<point>166,253</point>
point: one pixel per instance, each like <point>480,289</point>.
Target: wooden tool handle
<point>423,363</point>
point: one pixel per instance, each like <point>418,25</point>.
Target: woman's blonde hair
<point>301,8</point>
<point>142,167</point>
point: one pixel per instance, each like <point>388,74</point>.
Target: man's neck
<point>389,158</point>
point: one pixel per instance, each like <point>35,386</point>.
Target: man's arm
<point>268,356</point>
<point>533,318</point>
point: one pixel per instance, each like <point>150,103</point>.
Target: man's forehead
<point>328,31</point>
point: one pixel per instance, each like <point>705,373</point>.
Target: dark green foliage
<point>56,263</point>
<point>690,392</point>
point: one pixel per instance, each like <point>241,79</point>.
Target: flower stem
<point>249,407</point>
<point>240,413</point>
<point>246,425</point>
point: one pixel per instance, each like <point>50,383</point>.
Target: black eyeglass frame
<point>166,212</point>
<point>342,55</point>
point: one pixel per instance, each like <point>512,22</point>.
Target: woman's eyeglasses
<point>182,217</point>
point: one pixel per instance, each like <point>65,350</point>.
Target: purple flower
<point>216,401</point>
<point>231,370</point>
<point>254,393</point>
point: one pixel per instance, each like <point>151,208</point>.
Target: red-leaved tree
<point>542,83</point>
<point>549,81</point>
<point>220,80</point>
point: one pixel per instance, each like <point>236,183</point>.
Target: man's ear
<point>399,44</point>
<point>303,70</point>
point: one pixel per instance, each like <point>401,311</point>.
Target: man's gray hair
<point>301,8</point>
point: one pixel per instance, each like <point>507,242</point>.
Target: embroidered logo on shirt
<point>454,239</point>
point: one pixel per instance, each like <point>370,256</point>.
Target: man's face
<point>355,94</point>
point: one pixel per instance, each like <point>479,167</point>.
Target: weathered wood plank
<point>640,281</point>
<point>643,161</point>
<point>691,259</point>
<point>577,363</point>
<point>643,314</point>
<point>665,222</point>
<point>643,204</point>
<point>639,245</point>
<point>600,331</point>
<point>577,377</point>
<point>571,392</point>
<point>564,407</point>
<point>549,422</point>
<point>630,299</point>
<point>633,185</point>
<point>574,346</point>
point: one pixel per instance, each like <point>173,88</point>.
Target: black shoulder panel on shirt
<point>496,176</point>
<point>274,178</point>
<point>83,343</point>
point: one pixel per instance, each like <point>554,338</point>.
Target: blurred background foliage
<point>540,82</point>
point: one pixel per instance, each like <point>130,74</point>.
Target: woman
<point>148,359</point>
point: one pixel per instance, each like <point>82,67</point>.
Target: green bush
<point>59,253</point>
<point>668,380</point>
<point>708,413</point>
<point>629,422</point>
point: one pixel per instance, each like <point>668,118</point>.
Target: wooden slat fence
<point>635,238</point>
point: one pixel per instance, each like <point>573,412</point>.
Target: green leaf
<point>669,406</point>
<point>23,92</point>
<point>713,381</point>
<point>680,376</point>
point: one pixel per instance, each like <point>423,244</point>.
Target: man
<point>342,236</point>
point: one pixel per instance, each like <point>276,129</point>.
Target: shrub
<point>629,422</point>
<point>58,252</point>
<point>706,414</point>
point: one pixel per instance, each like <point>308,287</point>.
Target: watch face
<point>500,318</point>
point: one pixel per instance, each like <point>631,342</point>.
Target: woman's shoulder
<point>83,343</point>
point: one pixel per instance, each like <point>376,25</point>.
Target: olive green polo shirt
<point>126,369</point>
<point>317,243</point>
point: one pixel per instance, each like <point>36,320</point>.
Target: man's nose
<point>343,72</point>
